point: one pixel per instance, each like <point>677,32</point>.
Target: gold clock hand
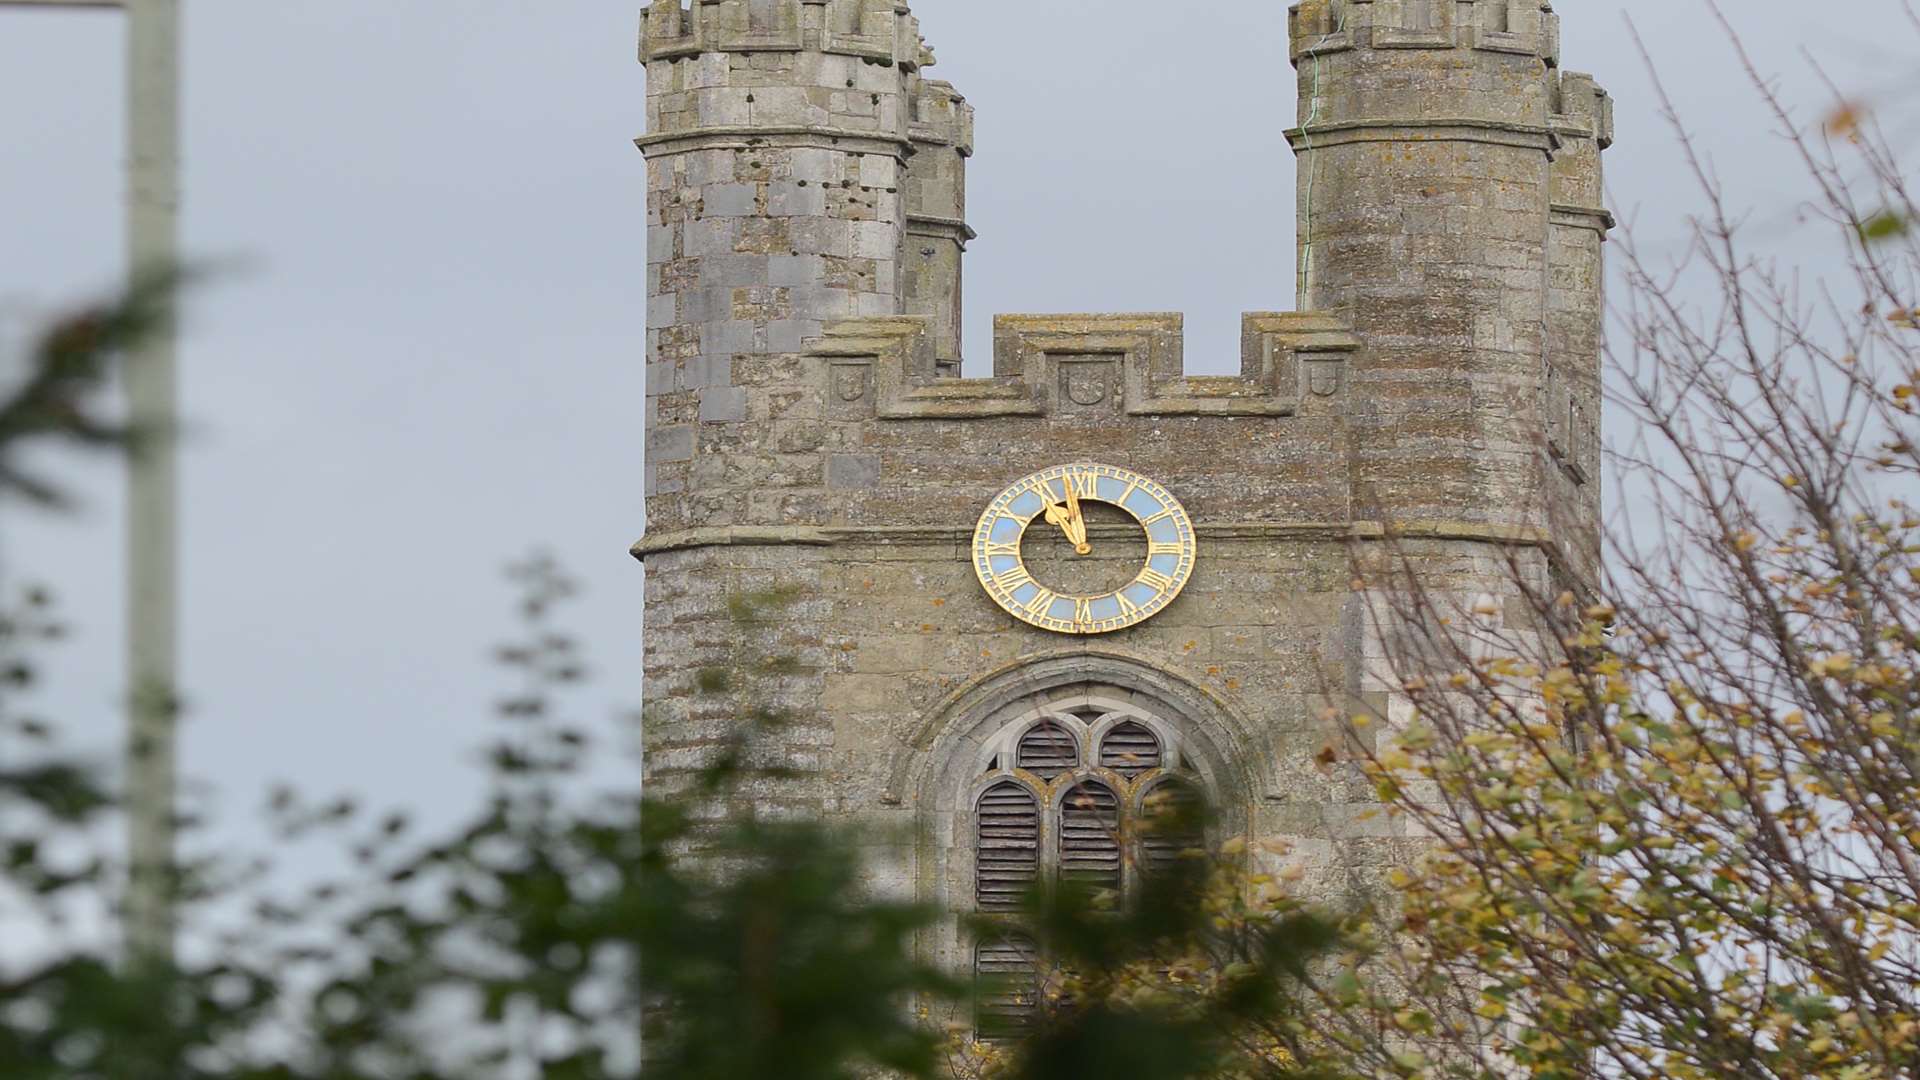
<point>1057,513</point>
<point>1076,527</point>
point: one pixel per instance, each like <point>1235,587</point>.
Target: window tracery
<point>1064,795</point>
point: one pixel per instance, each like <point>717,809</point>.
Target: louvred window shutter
<point>1006,974</point>
<point>1174,824</point>
<point>1130,749</point>
<point>1007,824</point>
<point>1048,750</point>
<point>1090,836</point>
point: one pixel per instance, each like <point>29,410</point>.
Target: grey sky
<point>435,360</point>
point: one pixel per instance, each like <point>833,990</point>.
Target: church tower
<point>996,614</point>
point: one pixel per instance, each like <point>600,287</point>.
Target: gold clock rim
<point>1164,596</point>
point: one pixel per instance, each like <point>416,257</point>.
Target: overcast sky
<point>434,361</point>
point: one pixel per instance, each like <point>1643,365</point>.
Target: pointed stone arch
<point>947,749</point>
<point>969,746</point>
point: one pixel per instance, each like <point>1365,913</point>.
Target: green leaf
<point>1884,226</point>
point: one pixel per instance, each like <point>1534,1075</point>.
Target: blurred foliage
<point>1676,810</point>
<point>1208,970</point>
<point>58,396</point>
<point>513,947</point>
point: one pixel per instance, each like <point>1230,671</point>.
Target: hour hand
<point>1066,519</point>
<point>1076,526</point>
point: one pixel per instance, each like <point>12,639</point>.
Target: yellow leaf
<point>1844,120</point>
<point>1835,664</point>
<point>1396,759</point>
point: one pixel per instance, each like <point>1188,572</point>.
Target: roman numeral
<point>1013,579</point>
<point>1041,601</point>
<point>1083,610</point>
<point>1161,516</point>
<point>1166,547</point>
<point>1155,580</point>
<point>1003,549</point>
<point>1084,484</point>
<point>1128,609</point>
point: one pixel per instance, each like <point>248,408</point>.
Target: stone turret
<point>1583,128</point>
<point>799,170</point>
<point>937,232</point>
<point>1450,213</point>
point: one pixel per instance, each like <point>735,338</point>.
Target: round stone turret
<point>779,134</point>
<point>937,231</point>
<point>1428,137</point>
<point>800,172</point>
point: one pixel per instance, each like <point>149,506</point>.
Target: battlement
<point>1091,366</point>
<point>1582,125</point>
<point>1523,27</point>
<point>875,31</point>
<point>1582,108</point>
<point>941,116</point>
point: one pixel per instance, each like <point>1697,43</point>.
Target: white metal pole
<point>153,165</point>
<point>153,204</point>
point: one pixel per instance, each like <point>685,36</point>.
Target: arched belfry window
<point>1078,791</point>
<point>1065,794</point>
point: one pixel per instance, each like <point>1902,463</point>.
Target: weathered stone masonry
<point>807,436</point>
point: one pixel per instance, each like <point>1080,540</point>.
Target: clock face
<point>1053,500</point>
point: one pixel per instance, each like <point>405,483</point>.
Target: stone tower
<point>815,466</point>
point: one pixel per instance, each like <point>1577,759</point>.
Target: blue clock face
<point>1052,499</point>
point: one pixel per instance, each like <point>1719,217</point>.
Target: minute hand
<point>1076,526</point>
<point>1059,514</point>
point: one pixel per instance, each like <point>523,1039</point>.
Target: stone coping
<point>939,536</point>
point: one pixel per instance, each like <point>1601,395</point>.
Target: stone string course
<point>814,464</point>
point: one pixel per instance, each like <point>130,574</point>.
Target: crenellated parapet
<point>722,70</point>
<point>1518,27</point>
<point>1582,122</point>
<point>876,31</point>
<point>941,117</point>
<point>1085,368</point>
<point>1369,69</point>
